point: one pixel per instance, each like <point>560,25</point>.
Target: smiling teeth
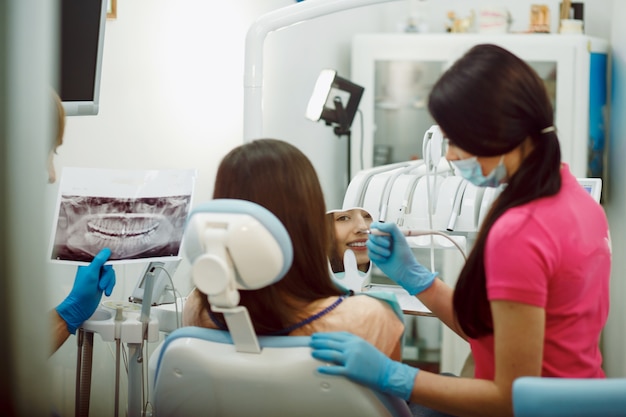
<point>356,244</point>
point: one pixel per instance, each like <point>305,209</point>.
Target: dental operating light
<point>334,100</point>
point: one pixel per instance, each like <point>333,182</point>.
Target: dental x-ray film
<point>139,215</point>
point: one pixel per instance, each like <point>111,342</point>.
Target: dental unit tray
<point>121,320</point>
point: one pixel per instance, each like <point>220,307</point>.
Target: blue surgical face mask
<point>470,169</point>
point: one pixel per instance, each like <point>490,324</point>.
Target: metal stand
<point>117,377</point>
<point>343,129</point>
<point>135,392</point>
<point>83,372</point>
<point>131,328</point>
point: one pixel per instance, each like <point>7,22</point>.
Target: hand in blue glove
<point>89,283</point>
<point>361,362</point>
<point>392,254</point>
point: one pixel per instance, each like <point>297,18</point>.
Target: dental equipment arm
<point>162,273</point>
<point>415,233</point>
<point>255,39</point>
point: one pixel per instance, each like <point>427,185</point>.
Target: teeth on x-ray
<point>123,225</point>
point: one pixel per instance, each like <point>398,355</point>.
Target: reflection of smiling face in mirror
<point>351,233</point>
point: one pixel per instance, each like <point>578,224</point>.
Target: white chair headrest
<point>236,244</point>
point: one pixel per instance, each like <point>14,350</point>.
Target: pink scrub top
<point>553,253</point>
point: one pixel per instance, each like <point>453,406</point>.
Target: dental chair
<point>568,397</point>
<point>238,245</point>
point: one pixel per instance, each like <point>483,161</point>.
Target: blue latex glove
<point>359,361</point>
<point>392,254</point>
<point>89,283</point>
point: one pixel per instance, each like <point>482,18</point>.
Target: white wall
<point>172,97</point>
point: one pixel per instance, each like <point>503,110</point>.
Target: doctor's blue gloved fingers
<point>392,254</point>
<point>107,279</point>
<point>381,246</point>
<point>104,275</point>
<point>90,281</point>
<point>361,362</point>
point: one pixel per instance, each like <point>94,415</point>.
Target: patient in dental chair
<point>279,177</point>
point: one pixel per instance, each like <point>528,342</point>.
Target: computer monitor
<point>82,24</point>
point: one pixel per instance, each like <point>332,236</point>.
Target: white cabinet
<point>398,70</point>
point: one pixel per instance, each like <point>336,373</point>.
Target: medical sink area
<point>381,208</point>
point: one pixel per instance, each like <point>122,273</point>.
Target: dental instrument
<point>405,232</point>
<point>415,233</point>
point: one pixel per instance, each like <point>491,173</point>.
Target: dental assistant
<point>533,296</point>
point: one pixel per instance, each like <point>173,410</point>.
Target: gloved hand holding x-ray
<point>390,251</point>
<point>90,282</point>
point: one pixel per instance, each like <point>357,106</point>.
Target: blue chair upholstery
<point>564,397</point>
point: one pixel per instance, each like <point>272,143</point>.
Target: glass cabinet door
<point>398,71</point>
<point>401,89</point>
<point>400,108</point>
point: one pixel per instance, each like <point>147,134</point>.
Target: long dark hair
<point>279,177</point>
<point>487,103</point>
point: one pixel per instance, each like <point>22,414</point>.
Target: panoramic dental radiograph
<point>133,228</point>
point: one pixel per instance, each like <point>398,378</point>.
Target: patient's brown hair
<point>279,177</point>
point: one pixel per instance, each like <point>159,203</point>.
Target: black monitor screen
<point>81,23</point>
